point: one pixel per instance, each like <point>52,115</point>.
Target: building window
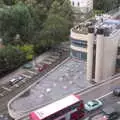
<point>118,53</point>
<point>78,4</point>
<point>79,43</point>
<point>73,3</point>
<point>79,55</point>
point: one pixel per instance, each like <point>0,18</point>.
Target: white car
<point>16,79</point>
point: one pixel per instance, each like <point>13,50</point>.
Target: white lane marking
<point>7,89</point>
<point>26,76</point>
<point>118,102</point>
<point>32,72</point>
<point>1,95</point>
<point>105,95</point>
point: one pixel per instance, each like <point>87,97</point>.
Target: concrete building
<point>83,5</point>
<point>98,43</point>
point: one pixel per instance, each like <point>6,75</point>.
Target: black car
<point>116,91</point>
<point>111,113</point>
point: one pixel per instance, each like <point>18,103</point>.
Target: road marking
<point>51,59</point>
<point>118,102</point>
<point>46,62</point>
<point>16,85</point>
<point>1,95</point>
<point>105,95</point>
<point>26,76</point>
<point>5,88</point>
<point>23,81</point>
<point>31,72</point>
<point>54,57</point>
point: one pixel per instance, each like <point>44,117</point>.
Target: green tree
<point>27,49</point>
<point>56,29</point>
<point>16,20</point>
<point>10,58</point>
<point>105,5</point>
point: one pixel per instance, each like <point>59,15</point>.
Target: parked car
<point>42,67</point>
<point>20,77</point>
<point>28,66</point>
<point>16,79</point>
<point>93,104</point>
<point>111,113</point>
<point>116,91</point>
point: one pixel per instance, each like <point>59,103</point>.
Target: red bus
<point>68,108</point>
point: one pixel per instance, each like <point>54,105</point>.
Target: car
<point>16,79</point>
<point>28,66</point>
<point>93,104</point>
<point>20,77</point>
<point>42,67</point>
<point>111,113</point>
<point>116,91</point>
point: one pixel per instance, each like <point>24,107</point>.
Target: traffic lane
<point>108,100</point>
<point>100,90</point>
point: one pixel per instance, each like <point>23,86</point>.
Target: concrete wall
<point>99,55</point>
<point>110,54</point>
<point>78,36</point>
<point>90,53</point>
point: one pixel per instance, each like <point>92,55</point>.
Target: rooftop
<point>104,21</point>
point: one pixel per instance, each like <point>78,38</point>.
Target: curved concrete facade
<point>78,45</point>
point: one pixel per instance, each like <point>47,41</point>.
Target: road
<point>108,100</point>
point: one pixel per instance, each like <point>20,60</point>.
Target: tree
<point>16,20</point>
<point>56,29</point>
<point>10,58</point>
<point>27,50</point>
<point>105,5</point>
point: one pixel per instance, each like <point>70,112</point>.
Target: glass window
<point>79,55</point>
<point>118,63</point>
<point>79,43</point>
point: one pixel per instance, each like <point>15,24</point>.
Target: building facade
<point>97,43</point>
<point>83,5</point>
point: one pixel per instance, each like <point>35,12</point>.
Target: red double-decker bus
<point>68,108</point>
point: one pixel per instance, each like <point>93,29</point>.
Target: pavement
<point>67,78</point>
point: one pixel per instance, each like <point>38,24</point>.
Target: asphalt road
<point>108,100</point>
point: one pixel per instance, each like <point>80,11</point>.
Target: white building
<point>98,43</point>
<point>84,5</point>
